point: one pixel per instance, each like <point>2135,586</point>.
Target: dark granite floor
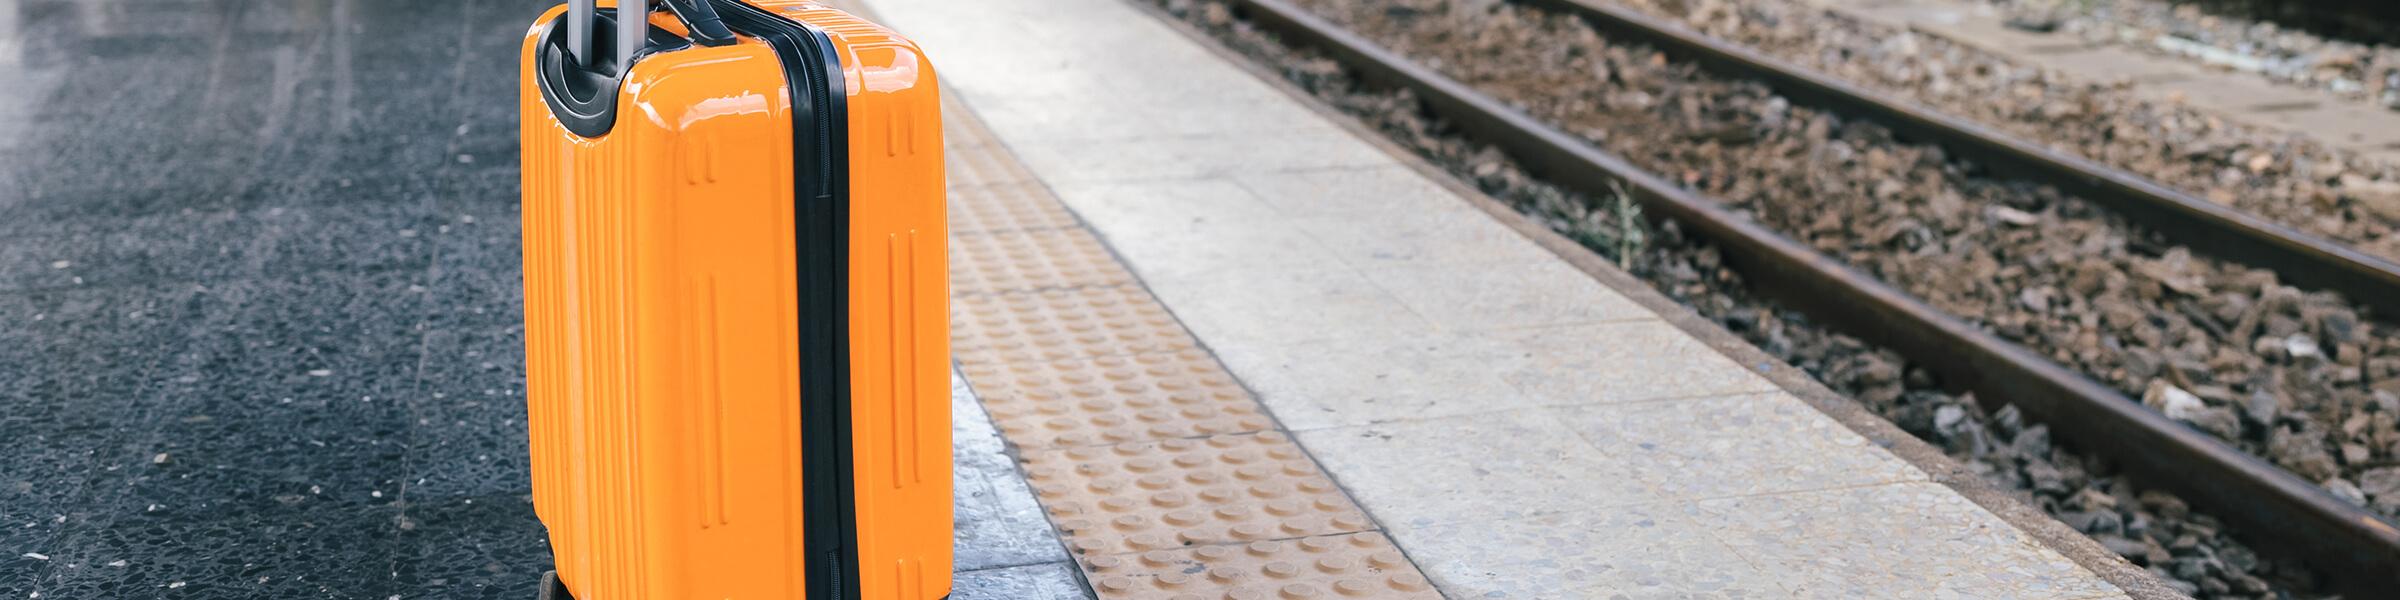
<point>259,308</point>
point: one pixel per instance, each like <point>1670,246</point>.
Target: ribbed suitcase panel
<point>899,296</point>
<point>578,272</point>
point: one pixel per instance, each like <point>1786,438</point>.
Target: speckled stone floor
<point>259,314</point>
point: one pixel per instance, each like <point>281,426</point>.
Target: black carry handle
<point>700,18</point>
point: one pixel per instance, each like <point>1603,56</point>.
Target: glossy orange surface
<point>661,325</point>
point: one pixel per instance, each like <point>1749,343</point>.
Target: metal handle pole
<point>633,30</point>
<point>579,31</point>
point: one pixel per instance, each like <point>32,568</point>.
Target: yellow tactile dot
<point>1355,565</point>
<point>1172,493</point>
<point>1052,325</point>
<point>1031,260</point>
<point>1012,206</point>
<point>1115,399</point>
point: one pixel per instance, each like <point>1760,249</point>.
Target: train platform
<point>261,337</point>
<point>1230,347</point>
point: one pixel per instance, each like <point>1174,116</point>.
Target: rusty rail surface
<point>2355,547</point>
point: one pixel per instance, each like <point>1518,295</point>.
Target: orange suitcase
<point>735,303</point>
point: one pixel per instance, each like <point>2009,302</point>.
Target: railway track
<point>2275,507</point>
<point>2204,226</point>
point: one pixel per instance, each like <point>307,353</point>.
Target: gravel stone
<point>2382,486</point>
<point>2348,492</point>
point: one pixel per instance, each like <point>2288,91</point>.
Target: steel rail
<point>2206,227</point>
<point>2358,547</point>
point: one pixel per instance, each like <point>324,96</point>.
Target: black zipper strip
<point>821,215</point>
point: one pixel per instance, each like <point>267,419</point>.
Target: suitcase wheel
<point>553,589</point>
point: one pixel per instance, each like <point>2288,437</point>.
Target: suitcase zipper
<point>821,230</point>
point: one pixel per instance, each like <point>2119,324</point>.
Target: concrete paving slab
<point>1631,552</point>
<point>1286,306</point>
<point>1197,251</point>
<point>1616,362</point>
<point>1478,467</point>
<point>1093,81</point>
<point>1405,238</point>
<point>1195,156</point>
<point>2361,128</point>
<point>1072,117</point>
<point>1733,446</point>
<point>1037,70</point>
<point>1168,206</point>
<point>2105,65</point>
<point>1927,541</point>
<point>1375,379</point>
<point>1505,295</point>
<point>2230,94</point>
<point>1904,13</point>
<point>1389,189</point>
<point>1995,34</point>
<point>1187,228</point>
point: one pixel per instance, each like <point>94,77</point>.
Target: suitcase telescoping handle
<point>579,32</point>
<point>699,18</point>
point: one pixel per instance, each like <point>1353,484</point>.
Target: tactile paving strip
<point>1115,399</point>
<point>980,164</point>
<point>1031,260</point>
<point>1359,565</point>
<point>1012,206</point>
<point>1192,500</point>
<point>1060,324</point>
<point>1167,494</point>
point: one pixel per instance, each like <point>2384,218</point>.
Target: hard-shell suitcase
<point>736,303</point>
